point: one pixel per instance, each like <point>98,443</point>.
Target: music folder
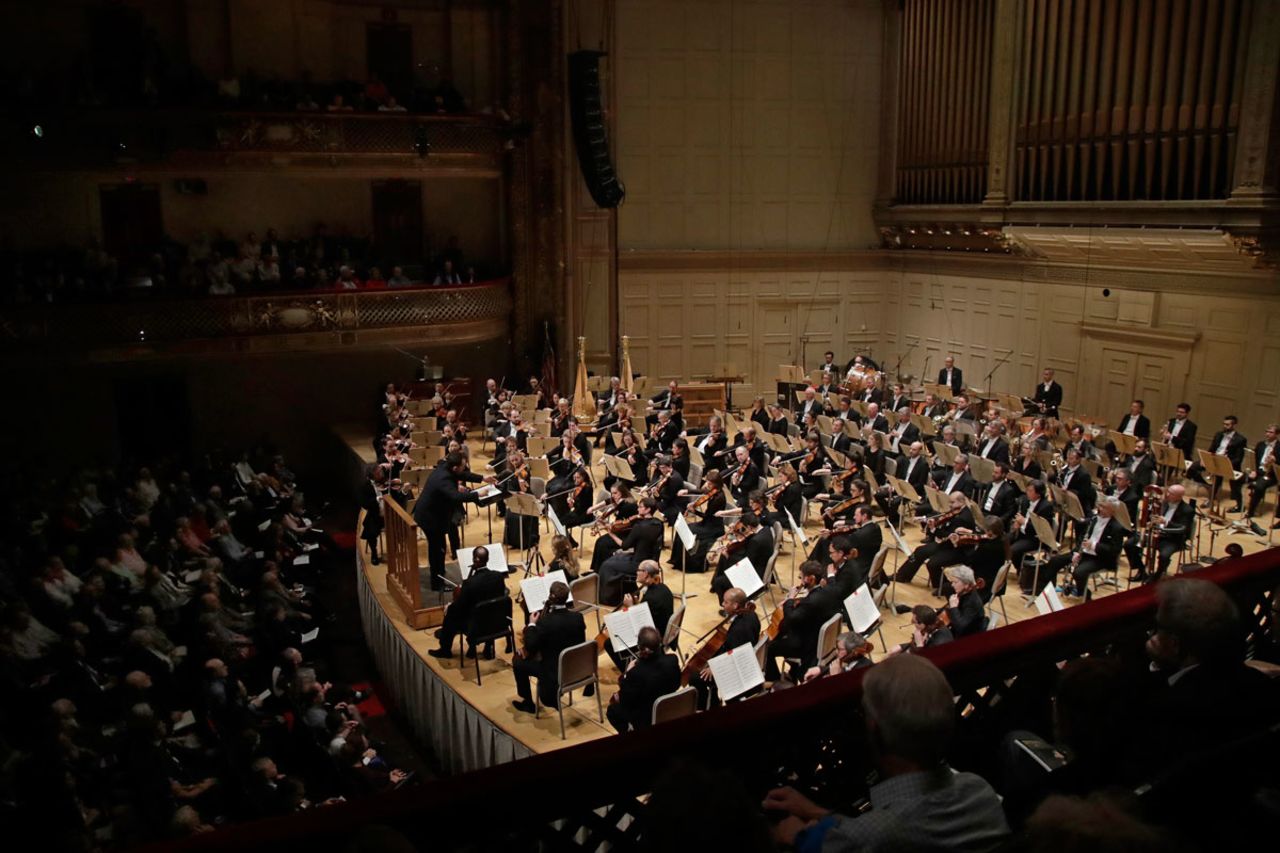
<point>538,587</point>
<point>624,625</point>
<point>1048,601</point>
<point>862,610</point>
<point>686,535</point>
<point>736,671</point>
<point>744,576</point>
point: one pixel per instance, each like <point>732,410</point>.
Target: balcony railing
<point>477,311</point>
<point>593,794</point>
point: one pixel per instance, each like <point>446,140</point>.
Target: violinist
<point>787,496</point>
<point>663,434</point>
<point>561,418</point>
<point>803,612</point>
<point>519,531</point>
<point>707,528</point>
<point>629,451</point>
<point>814,462</point>
<point>618,515</point>
<point>984,550</point>
<point>749,540</point>
<point>742,628</point>
<point>621,426</point>
<point>562,557</point>
<point>710,444</point>
<point>578,501</point>
<point>927,630</point>
<point>680,460</point>
<point>965,609</point>
<point>668,401</point>
<point>564,459</point>
<point>665,489</point>
<point>845,521</point>
<point>744,477</point>
<point>853,651</point>
<point>549,632</point>
<point>937,552</point>
<point>653,592</point>
<point>643,542</point>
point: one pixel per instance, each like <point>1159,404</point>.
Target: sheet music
<point>536,589</point>
<point>310,635</point>
<point>497,559</point>
<point>301,560</point>
<point>1047,601</point>
<point>187,720</point>
<point>862,610</point>
<point>556,524</point>
<point>736,671</point>
<point>624,625</point>
<point>897,537</point>
<point>796,529</point>
<point>744,576</point>
<point>686,535</point>
<point>487,491</point>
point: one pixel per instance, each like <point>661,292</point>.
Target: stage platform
<point>471,726</point>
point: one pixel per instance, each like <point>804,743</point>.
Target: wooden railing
<point>478,311</point>
<point>404,578</point>
<point>586,795</point>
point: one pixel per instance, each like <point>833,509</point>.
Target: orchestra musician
<point>814,462</point>
<point>577,502</point>
<point>561,418</point>
<point>519,531</point>
<point>710,444</point>
<point>656,594</point>
<point>742,628</point>
<point>787,497</point>
<point>756,545</point>
<point>866,537</point>
<point>668,400</point>
<point>665,488</point>
<point>1025,539</point>
<point>745,477</point>
<point>1141,465</point>
<point>652,673</point>
<point>1174,520</point>
<point>964,410</point>
<point>481,585</point>
<point>563,558</point>
<point>680,460</point>
<point>663,433</point>
<point>839,516</point>
<point>536,390</point>
<point>810,404</point>
<point>843,575</point>
<point>937,551</point>
<point>984,551</point>
<point>369,498</point>
<point>993,446</point>
<point>927,630</point>
<point>913,468</point>
<point>1134,422</point>
<point>1037,436</point>
<point>904,432</point>
<point>440,506</point>
<point>1098,550</point>
<point>965,609</point>
<point>563,459</point>
<point>1047,397</point>
<point>851,654</point>
<point>778,422</point>
<point>1231,444</point>
<point>759,414</point>
<point>607,400</point>
<point>950,376</point>
<point>804,610</point>
<point>829,363</point>
<point>643,542</point>
<point>828,389</point>
<point>549,632</point>
<point>956,478</point>
<point>946,437</point>
<point>873,458</point>
<point>1127,493</point>
<point>1263,475</point>
<point>1180,431</point>
<point>875,421</point>
<point>708,527</point>
<point>621,510</point>
<point>1002,497</point>
<point>1078,441</point>
<point>1075,479</point>
<point>629,452</point>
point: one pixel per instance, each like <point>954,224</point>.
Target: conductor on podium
<point>440,507</point>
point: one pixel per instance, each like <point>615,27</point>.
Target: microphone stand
<point>897,370</point>
<point>992,373</point>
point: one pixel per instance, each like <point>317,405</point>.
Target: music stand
<point>1070,505</point>
<point>1168,459</point>
<point>1125,444</point>
<point>981,469</point>
<point>947,452</point>
<point>539,467</point>
<point>526,506</point>
<point>1048,542</point>
<point>938,501</point>
<point>1019,480</point>
<point>1219,467</point>
<point>618,467</point>
<point>979,518</point>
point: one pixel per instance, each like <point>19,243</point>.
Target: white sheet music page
<point>862,610</point>
<point>624,625</point>
<point>497,559</point>
<point>796,529</point>
<point>736,671</point>
<point>743,575</point>
<point>686,535</point>
<point>1047,601</point>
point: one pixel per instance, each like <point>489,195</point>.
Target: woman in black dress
<point>707,529</point>
<point>624,505</point>
<point>519,531</point>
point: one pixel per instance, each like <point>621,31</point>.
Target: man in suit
<point>1075,479</point>
<point>913,468</point>
<point>810,404</point>
<point>438,507</point>
<point>670,504</point>
<point>865,539</point>
<point>877,421</point>
<point>903,434</point>
<point>1129,495</point>
<point>842,573</point>
<point>654,593</point>
<point>1263,476</point>
<point>956,478</point>
<point>898,399</point>
<point>1177,519</point>
<point>1025,539</point>
<point>606,400</point>
<point>937,552</point>
<point>802,619</point>
<point>664,401</point>
<point>829,364</point>
<point>828,389</point>
<point>651,674</point>
<point>1231,444</point>
<point>743,630</point>
<point>933,407</point>
<point>1002,498</point>
<point>993,446</point>
<point>482,584</point>
<point>1141,465</point>
<point>1180,432</point>
<point>550,631</point>
<point>710,444</point>
<point>1047,397</point>
<point>643,542</point>
<point>951,376</point>
<point>1097,550</point>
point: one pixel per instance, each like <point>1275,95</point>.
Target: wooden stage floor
<point>493,697</point>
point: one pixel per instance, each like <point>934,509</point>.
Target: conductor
<point>440,508</point>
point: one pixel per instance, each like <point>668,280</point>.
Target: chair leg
<point>1003,612</point>
<point>560,708</point>
<point>478,684</point>
<point>599,701</point>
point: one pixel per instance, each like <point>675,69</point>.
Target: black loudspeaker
<point>589,135</point>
